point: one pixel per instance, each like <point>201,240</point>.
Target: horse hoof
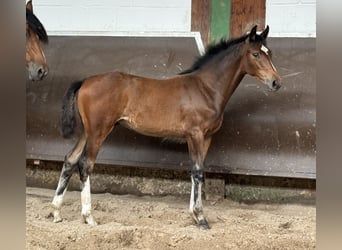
<point>57,220</point>
<point>56,217</point>
<point>90,220</point>
<point>203,224</point>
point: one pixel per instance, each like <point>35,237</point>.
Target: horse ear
<point>252,34</point>
<point>29,5</point>
<point>264,34</point>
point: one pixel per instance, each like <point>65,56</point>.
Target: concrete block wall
<point>291,18</point>
<point>287,18</point>
<point>114,15</point>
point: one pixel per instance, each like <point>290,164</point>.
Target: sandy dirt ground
<point>147,222</point>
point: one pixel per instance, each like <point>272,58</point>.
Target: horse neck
<point>221,77</point>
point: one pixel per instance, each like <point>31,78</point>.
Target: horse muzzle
<point>273,85</point>
<point>37,72</point>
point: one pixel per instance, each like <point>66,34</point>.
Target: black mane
<point>212,51</point>
<point>36,26</point>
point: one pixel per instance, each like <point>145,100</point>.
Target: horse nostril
<point>41,72</point>
<point>275,84</point>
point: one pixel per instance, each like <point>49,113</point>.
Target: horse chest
<point>213,125</point>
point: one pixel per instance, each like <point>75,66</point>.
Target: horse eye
<point>256,54</point>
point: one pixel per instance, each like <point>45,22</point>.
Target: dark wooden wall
<point>244,14</point>
<point>200,18</point>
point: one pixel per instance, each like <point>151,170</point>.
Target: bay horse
<point>35,33</point>
<point>188,106</point>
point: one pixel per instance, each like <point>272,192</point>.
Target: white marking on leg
<point>199,194</point>
<point>57,203</point>
<point>58,200</point>
<point>86,203</point>
<point>192,197</point>
<point>195,204</point>
<point>199,198</point>
<point>85,197</point>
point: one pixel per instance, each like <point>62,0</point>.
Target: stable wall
<point>287,18</point>
<point>66,16</point>
<point>291,18</point>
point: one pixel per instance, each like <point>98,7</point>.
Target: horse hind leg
<point>69,165</point>
<point>86,203</point>
<point>85,167</point>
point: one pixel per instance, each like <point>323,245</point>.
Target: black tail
<point>68,109</point>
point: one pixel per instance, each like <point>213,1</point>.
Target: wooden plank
<point>200,18</point>
<point>260,13</point>
<point>245,14</point>
<point>236,16</point>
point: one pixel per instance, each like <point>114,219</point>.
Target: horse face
<point>258,60</point>
<point>35,58</point>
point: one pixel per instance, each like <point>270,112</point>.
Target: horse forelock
<point>36,26</point>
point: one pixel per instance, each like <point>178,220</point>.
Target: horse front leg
<point>196,207</point>
<point>198,147</point>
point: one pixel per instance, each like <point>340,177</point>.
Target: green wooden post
<point>220,19</point>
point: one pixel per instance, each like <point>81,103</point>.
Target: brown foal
<point>188,106</point>
<point>35,58</point>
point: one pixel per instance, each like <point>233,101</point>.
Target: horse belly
<point>156,108</point>
<point>157,126</point>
